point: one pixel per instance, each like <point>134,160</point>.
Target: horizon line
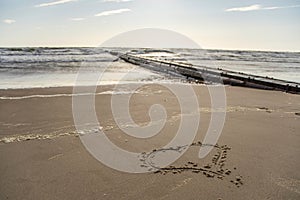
<point>223,49</point>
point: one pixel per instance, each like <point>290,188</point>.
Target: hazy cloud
<point>258,7</point>
<point>54,3</point>
<point>77,19</point>
<point>118,1</point>
<point>247,8</point>
<point>112,12</point>
<point>9,21</point>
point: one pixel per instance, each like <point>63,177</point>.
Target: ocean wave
<point>15,62</point>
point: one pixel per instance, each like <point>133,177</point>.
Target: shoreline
<point>69,89</point>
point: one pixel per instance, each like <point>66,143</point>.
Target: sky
<point>212,24</point>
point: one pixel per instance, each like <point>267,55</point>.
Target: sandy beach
<point>42,156</point>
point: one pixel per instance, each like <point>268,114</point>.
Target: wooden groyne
<point>212,75</point>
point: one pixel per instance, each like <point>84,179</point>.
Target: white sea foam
<point>66,95</point>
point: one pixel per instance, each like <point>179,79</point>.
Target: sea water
<point>55,67</point>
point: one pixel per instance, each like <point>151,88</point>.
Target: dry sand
<point>42,156</point>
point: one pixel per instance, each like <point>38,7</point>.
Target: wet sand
<point>257,155</point>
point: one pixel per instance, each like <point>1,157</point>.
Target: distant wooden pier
<point>213,75</point>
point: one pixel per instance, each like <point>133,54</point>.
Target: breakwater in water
<point>212,75</point>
